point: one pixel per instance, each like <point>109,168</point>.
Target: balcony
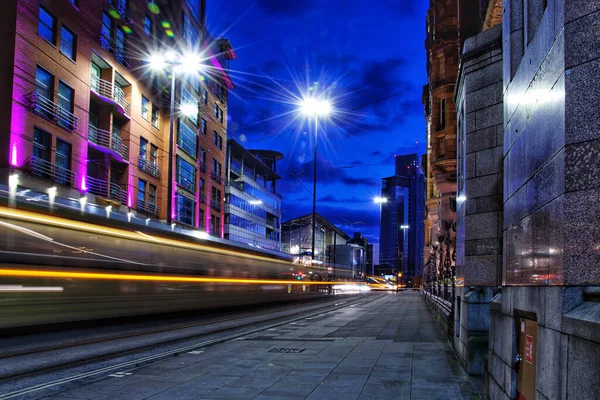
<point>147,208</point>
<point>238,185</point>
<point>216,205</point>
<point>45,169</point>
<point>52,111</point>
<point>108,140</point>
<point>122,9</point>
<point>114,48</point>
<point>108,190</point>
<point>236,169</point>
<point>149,167</point>
<point>111,92</point>
<point>216,177</point>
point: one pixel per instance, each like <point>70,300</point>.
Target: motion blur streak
<point>93,275</point>
<point>27,289</point>
<point>81,226</point>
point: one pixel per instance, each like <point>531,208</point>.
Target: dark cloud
<point>376,153</point>
<point>335,199</point>
<point>357,162</point>
<point>285,7</point>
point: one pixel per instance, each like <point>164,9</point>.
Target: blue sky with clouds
<point>358,53</point>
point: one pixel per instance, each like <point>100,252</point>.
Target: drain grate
<point>286,350</point>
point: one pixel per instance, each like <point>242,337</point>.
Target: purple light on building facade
<point>14,161</point>
<point>83,186</point>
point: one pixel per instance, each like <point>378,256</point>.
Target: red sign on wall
<point>529,349</point>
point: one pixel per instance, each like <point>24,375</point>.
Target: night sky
<point>358,52</point>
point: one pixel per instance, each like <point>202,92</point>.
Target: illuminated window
<point>186,209</point>
<point>63,162</point>
<point>67,42</point>
<point>65,106</point>
<point>141,190</point>
<point>187,139</point>
<point>186,174</point>
<point>47,26</point>
<point>145,107</point>
<point>155,115</point>
<point>205,96</point>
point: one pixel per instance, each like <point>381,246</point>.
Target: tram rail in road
<point>21,375</point>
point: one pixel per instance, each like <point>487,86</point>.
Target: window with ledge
<point>147,26</point>
<point>143,148</point>
<point>141,190</point>
<point>186,209</point>
<point>186,175</point>
<point>154,155</point>
<point>145,107</point>
<point>47,26</point>
<point>155,115</point>
<point>41,152</point>
<point>68,42</point>
<point>152,195</point>
<point>63,162</point>
<point>187,140</point>
<point>43,88</point>
<point>65,106</point>
<point>205,96</point>
<point>203,126</point>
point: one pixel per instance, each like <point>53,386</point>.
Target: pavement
<point>387,347</point>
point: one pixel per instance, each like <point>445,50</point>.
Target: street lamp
<point>188,63</point>
<point>313,107</point>
<point>380,200</point>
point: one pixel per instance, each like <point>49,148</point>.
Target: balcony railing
<point>150,209</point>
<point>238,185</point>
<point>45,169</point>
<point>113,48</point>
<point>216,204</point>
<point>122,9</point>
<point>149,167</point>
<point>236,170</point>
<point>108,190</point>
<point>109,91</point>
<point>52,111</point>
<point>216,177</point>
<point>108,140</point>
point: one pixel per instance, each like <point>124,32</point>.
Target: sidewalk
<point>387,348</point>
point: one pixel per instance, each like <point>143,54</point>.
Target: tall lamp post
<point>172,62</point>
<point>312,107</point>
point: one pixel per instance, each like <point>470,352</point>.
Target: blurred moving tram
<point>380,283</point>
<point>57,270</point>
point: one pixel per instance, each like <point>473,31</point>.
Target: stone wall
<point>479,202</point>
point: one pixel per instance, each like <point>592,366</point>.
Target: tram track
<point>271,320</point>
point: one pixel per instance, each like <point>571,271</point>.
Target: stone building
<point>85,118</point>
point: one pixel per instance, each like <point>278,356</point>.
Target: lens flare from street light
<point>380,200</point>
<point>188,109</point>
<point>157,62</point>
<point>190,63</point>
<point>312,106</point>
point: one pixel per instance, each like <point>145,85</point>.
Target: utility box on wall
<point>527,343</point>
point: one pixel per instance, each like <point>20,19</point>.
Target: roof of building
<point>307,220</point>
<point>237,150</point>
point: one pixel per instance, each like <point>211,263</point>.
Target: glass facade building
<point>252,205</point>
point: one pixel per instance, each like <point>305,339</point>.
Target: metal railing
<point>238,185</point>
<point>45,169</point>
<point>149,167</point>
<point>235,169</point>
<point>118,52</point>
<point>150,209</point>
<point>122,9</point>
<point>216,177</point>
<point>109,190</point>
<point>52,111</point>
<point>216,204</point>
<point>108,140</point>
<point>109,91</point>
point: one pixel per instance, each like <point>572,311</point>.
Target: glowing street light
<point>313,107</point>
<point>380,200</point>
<point>173,62</point>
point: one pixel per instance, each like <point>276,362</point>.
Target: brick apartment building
<point>84,116</point>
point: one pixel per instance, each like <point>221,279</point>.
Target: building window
<point>186,209</point>
<point>145,107</point>
<point>43,83</point>
<point>143,148</point>
<point>203,126</point>
<point>47,26</point>
<point>216,110</point>
<point>154,154</point>
<point>152,195</point>
<point>215,225</point>
<point>442,113</point>
<point>201,189</point>
<point>220,117</point>
<point>194,7</point>
<point>186,175</point>
<point>107,27</point>
<point>190,34</point>
<point>141,190</point>
<point>155,115</point>
<point>63,162</point>
<point>216,167</point>
<point>120,54</point>
<point>147,26</point>
<point>215,138</point>
<point>205,96</point>
<point>187,139</point>
<point>41,145</point>
<point>220,142</point>
<point>65,106</point>
<point>67,42</point>
<point>202,159</point>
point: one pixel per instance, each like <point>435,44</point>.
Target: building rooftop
<point>306,220</point>
<point>237,150</point>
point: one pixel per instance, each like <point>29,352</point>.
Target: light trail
<point>26,273</point>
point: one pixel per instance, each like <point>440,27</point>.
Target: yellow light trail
<point>26,273</point>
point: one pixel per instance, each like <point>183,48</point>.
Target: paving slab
<point>388,347</point>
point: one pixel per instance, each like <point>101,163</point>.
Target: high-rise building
<point>402,228</point>
<point>86,117</point>
<point>252,205</point>
<point>368,252</point>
